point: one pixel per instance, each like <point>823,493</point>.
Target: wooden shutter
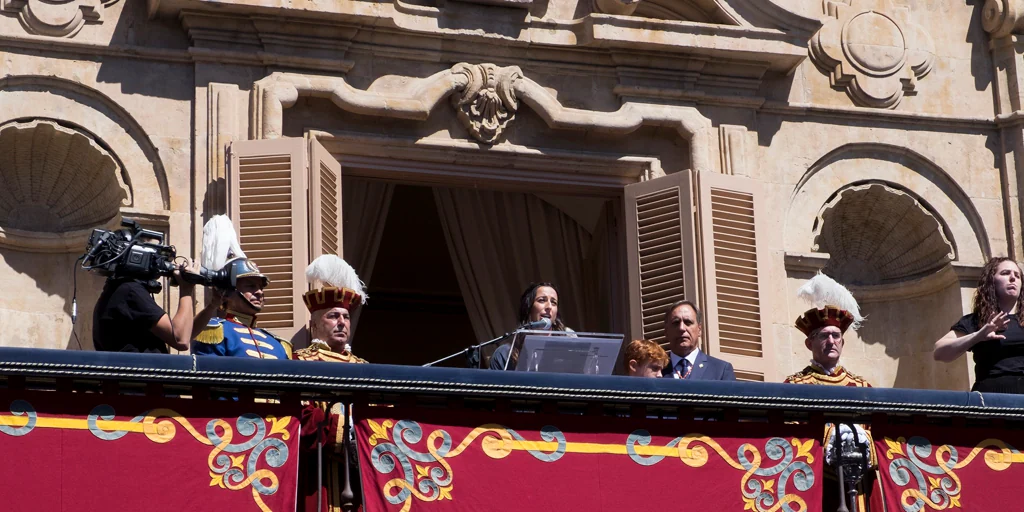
<point>660,250</point>
<point>324,202</point>
<point>267,201</point>
<point>732,272</point>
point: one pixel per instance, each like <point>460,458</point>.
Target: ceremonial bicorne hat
<point>833,305</point>
<point>221,251</point>
<point>335,285</point>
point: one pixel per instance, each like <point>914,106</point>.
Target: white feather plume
<point>823,291</point>
<point>220,243</point>
<point>331,270</point>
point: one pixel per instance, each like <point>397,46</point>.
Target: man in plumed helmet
<point>228,322</point>
<point>835,311</point>
<point>335,295</point>
<point>824,326</point>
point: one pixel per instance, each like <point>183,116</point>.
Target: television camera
<point>137,253</point>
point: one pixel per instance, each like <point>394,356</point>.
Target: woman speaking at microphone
<point>537,306</point>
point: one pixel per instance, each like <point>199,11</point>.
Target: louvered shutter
<point>733,265</point>
<point>660,255</point>
<point>324,202</point>
<point>267,202</point>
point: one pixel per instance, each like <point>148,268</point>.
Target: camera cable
<point>74,299</point>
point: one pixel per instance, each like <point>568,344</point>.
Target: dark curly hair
<point>986,303</point>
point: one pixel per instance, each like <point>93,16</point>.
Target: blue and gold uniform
<point>236,335</point>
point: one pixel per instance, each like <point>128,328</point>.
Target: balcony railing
<point>65,380</point>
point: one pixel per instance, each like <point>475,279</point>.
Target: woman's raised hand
<point>998,323</point>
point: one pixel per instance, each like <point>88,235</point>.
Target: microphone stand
<point>472,351</point>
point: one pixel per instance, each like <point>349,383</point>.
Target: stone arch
<point>856,188</point>
<point>901,168</point>
<point>38,259</point>
<point>28,97</point>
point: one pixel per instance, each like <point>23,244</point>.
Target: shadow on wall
<point>36,310</point>
<point>163,80</point>
<point>908,328</point>
<point>981,61</point>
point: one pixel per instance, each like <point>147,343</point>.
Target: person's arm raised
<point>204,315</point>
<point>177,332</point>
<point>954,345</point>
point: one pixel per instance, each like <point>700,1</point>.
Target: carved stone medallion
<point>873,51</point>
<point>487,103</point>
<point>56,18</point>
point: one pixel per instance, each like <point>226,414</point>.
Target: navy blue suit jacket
<point>706,367</point>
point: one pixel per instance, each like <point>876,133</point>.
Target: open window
<point>696,236</point>
<point>278,191</point>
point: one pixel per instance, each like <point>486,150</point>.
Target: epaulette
<point>285,344</point>
<point>798,377</point>
<point>864,382</point>
<point>212,334</point>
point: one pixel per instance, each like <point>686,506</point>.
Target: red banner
<point>416,460</point>
<point>85,452</point>
<point>931,468</point>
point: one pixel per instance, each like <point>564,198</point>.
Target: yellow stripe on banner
<point>1004,458</point>
<point>613,449</point>
<point>72,424</point>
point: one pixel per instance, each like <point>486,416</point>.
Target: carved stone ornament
<point>873,51</point>
<point>56,18</point>
<point>1003,17</point>
<point>488,102</point>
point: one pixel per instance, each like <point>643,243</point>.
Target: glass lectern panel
<point>567,352</point>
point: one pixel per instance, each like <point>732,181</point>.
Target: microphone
<point>544,324</point>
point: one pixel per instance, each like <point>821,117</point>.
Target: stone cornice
<point>290,30</point>
<point>416,101</point>
<point>188,56</point>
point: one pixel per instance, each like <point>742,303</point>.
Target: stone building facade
<point>632,151</point>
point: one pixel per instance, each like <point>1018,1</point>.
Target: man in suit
<point>682,330</point>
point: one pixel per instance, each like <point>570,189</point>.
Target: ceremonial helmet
<point>833,305</point>
<point>223,253</point>
<point>244,267</point>
<point>335,285</point>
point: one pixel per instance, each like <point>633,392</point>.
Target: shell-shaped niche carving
<point>55,179</point>
<point>876,234</point>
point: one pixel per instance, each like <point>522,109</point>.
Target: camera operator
<point>128,319</point>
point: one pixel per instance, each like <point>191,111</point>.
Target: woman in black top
<point>540,300</point>
<point>992,331</point>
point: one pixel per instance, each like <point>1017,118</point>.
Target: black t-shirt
<point>995,358</point>
<point>124,315</point>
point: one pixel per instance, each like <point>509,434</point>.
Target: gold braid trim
<point>211,335</point>
<point>316,353</point>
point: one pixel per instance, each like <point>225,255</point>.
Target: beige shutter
<point>267,201</point>
<point>324,202</point>
<point>733,264</point>
<point>660,250</point>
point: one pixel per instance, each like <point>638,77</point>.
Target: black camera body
<point>132,252</point>
<point>137,253</point>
